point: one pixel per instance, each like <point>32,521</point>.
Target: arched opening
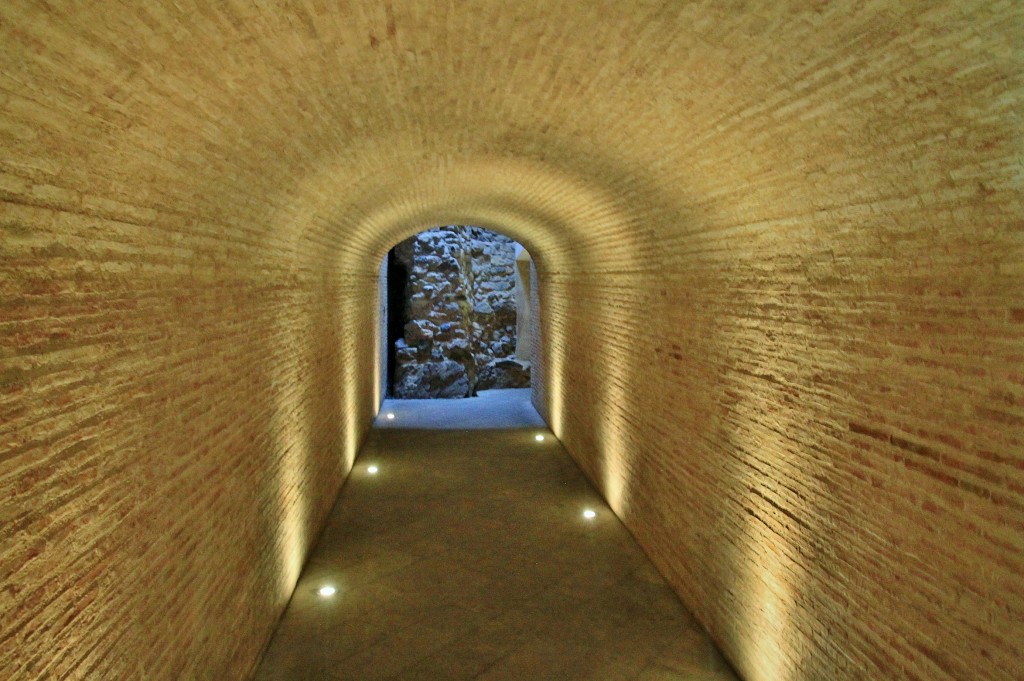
<point>456,311</point>
<point>524,304</point>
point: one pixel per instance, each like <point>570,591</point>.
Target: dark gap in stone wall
<point>452,314</point>
<point>397,277</point>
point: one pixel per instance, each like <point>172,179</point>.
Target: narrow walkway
<point>466,555</point>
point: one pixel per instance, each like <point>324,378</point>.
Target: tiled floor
<point>467,556</point>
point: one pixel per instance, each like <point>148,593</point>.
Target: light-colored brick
<point>779,247</point>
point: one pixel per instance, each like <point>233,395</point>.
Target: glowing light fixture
<point>589,514</point>
<point>372,470</point>
<point>326,591</point>
<point>391,416</point>
<point>538,437</point>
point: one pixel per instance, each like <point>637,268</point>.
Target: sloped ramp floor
<point>467,556</point>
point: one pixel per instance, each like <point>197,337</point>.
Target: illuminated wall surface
<point>781,255</point>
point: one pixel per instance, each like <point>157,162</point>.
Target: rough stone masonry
<point>460,312</point>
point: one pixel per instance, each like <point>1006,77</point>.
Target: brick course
<point>781,258</point>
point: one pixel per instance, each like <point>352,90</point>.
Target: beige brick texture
<point>780,248</point>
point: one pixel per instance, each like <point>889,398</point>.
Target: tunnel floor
<point>466,555</point>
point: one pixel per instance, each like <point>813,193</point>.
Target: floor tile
<point>466,557</point>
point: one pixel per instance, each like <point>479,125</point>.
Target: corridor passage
<point>460,548</point>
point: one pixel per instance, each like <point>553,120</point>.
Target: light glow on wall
<point>292,505</point>
<point>288,424</point>
<point>765,633</point>
<point>354,401</point>
<point>553,345</point>
<point>614,456</point>
<point>616,476</point>
<point>772,572</point>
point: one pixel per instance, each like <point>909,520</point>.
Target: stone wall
<point>460,331</point>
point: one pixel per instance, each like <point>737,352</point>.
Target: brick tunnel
<point>780,254</point>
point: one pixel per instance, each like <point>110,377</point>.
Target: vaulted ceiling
<point>780,252</point>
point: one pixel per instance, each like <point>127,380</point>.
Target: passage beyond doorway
<point>458,314</point>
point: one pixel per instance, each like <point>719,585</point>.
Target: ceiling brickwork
<point>780,250</point>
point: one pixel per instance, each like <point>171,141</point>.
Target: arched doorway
<point>456,306</point>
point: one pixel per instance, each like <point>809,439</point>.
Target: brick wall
<point>780,255</point>
<point>170,446</point>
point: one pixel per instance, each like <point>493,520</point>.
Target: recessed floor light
<point>538,437</point>
<point>326,591</point>
<point>390,416</point>
<point>372,470</point>
<point>589,514</point>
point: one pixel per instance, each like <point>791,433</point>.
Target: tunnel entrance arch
<point>457,314</point>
